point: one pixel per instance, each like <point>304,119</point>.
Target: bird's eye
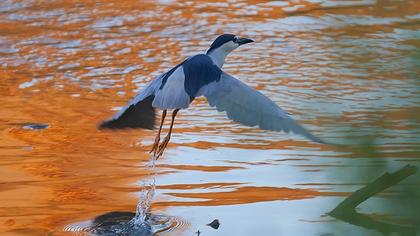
<point>235,40</point>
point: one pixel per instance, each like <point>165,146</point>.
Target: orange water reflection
<point>338,68</point>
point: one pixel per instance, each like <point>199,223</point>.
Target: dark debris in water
<point>214,224</point>
<point>34,126</point>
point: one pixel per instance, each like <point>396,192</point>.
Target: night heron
<point>202,75</point>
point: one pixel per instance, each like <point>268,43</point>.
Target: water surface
<point>346,70</point>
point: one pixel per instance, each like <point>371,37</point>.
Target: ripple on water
<point>339,67</point>
<point>119,223</point>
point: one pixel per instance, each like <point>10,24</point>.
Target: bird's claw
<point>162,147</point>
<point>155,146</point>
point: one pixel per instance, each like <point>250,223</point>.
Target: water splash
<point>143,223</point>
<point>145,201</point>
<point>146,195</point>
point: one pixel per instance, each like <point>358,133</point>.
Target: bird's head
<point>228,42</point>
<point>224,44</point>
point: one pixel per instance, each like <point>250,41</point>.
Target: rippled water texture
<point>347,70</point>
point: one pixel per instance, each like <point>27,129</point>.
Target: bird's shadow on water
<point>124,223</point>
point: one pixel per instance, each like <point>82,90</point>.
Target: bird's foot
<point>155,146</point>
<point>162,146</point>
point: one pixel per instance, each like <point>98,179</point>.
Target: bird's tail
<point>138,115</point>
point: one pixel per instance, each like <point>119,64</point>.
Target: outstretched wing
<point>247,106</point>
<point>139,112</point>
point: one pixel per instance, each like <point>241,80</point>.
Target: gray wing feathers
<point>172,95</point>
<point>247,106</point>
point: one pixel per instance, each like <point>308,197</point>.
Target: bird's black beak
<point>242,41</point>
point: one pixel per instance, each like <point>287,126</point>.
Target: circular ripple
<point>177,224</point>
<point>78,229</point>
<point>121,223</point>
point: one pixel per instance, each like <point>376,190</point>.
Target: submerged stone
<point>35,126</point>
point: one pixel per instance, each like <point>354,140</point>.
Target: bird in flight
<point>202,75</point>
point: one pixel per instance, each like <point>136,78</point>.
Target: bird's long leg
<point>157,139</point>
<point>165,142</point>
